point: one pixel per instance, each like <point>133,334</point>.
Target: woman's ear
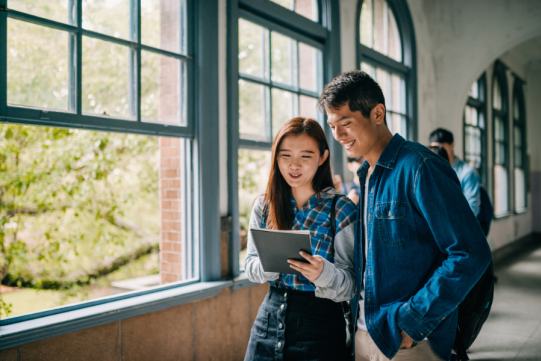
<point>324,157</point>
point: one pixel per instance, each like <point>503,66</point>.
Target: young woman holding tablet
<point>301,317</point>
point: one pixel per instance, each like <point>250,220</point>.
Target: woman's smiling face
<point>299,159</point>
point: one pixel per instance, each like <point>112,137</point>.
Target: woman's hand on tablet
<point>310,270</point>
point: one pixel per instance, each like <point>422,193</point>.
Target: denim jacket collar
<point>387,159</point>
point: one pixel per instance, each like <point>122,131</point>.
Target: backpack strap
<point>333,215</point>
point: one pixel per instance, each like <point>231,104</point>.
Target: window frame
<point>202,114</point>
<point>500,75</point>
<point>407,68</point>
<point>481,105</point>
<point>75,118</point>
<point>518,94</point>
<point>282,20</point>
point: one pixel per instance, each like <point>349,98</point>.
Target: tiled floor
<point>513,329</point>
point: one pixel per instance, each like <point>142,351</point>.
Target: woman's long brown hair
<point>278,195</point>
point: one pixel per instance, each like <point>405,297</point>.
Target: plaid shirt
<point>315,217</point>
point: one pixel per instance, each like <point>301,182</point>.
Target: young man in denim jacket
<point>418,246</point>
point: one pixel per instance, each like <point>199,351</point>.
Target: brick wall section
<point>170,171</point>
<point>215,328</point>
<point>170,216</point>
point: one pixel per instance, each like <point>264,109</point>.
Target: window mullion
<point>268,97</point>
<point>79,60</point>
<point>3,59</point>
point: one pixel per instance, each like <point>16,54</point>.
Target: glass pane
<point>111,17</point>
<point>496,95</point>
<point>98,229</point>
<point>369,69</point>
<point>38,68</point>
<point>473,144</point>
<point>481,117</point>
<point>501,205</point>
<point>284,59</point>
<point>471,115</point>
<point>399,94</point>
<point>254,170</point>
<point>285,3</point>
<point>306,8</point>
<point>380,26</point>
<point>366,28</point>
<point>106,84</point>
<point>516,110</point>
<point>520,190</point>
<point>384,80</point>
<point>253,110</point>
<point>309,67</point>
<point>308,107</point>
<point>163,87</point>
<point>253,49</point>
<point>394,44</point>
<point>517,136</point>
<point>284,107</point>
<point>499,129</point>
<point>398,124</point>
<point>474,91</point>
<point>57,10</point>
<point>162,23</point>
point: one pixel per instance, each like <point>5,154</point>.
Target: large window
<point>88,213</point>
<point>519,148</point>
<point>385,51</point>
<point>475,128</point>
<point>501,141</point>
<point>276,74</point>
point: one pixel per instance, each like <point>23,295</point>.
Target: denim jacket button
<point>443,318</point>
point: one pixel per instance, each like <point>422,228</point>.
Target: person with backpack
<point>467,175</point>
<point>419,249</point>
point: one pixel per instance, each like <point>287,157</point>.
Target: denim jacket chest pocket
<point>392,223</point>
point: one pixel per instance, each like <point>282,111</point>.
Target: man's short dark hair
<point>355,88</point>
<point>441,136</point>
<point>351,160</point>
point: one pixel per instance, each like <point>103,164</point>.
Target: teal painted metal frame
<point>74,117</point>
<point>324,35</point>
<point>408,67</point>
<point>481,105</point>
<point>518,93</point>
<point>500,75</point>
<point>202,111</point>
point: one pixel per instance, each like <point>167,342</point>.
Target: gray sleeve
<point>337,281</point>
<point>252,263</point>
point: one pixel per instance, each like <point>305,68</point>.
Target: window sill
<point>521,211</point>
<point>24,332</point>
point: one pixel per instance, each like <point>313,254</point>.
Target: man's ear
<point>324,157</point>
<point>452,146</point>
<point>378,113</point>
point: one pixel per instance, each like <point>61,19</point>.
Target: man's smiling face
<point>355,132</point>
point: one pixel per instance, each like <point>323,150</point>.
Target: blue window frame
<point>386,51</point>
<point>280,56</point>
<point>137,49</point>
<point>520,158</point>
<point>500,118</point>
<point>83,35</point>
<point>475,125</point>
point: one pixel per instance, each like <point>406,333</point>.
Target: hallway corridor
<point>513,330</point>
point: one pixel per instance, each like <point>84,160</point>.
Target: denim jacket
<point>426,249</point>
